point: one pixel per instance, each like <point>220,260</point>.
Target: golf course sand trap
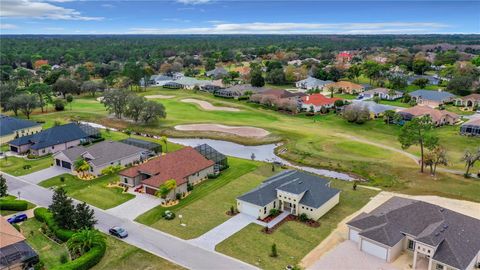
<point>239,131</point>
<point>209,106</point>
<point>159,96</point>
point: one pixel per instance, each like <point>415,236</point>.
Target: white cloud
<point>7,26</point>
<point>41,10</point>
<point>301,28</point>
<point>193,2</point>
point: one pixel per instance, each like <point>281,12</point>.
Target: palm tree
<point>82,241</point>
<point>81,166</point>
<point>164,139</point>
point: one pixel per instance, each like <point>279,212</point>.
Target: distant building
<point>217,73</point>
<point>15,253</point>
<point>39,63</point>
<point>238,90</point>
<point>432,80</point>
<point>317,102</point>
<point>439,117</point>
<point>311,83</point>
<point>470,101</point>
<point>12,128</point>
<point>431,98</point>
<point>186,83</point>
<point>376,110</point>
<point>382,93</point>
<point>345,87</point>
<point>471,127</point>
<point>157,80</point>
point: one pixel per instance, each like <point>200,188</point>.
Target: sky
<point>238,17</point>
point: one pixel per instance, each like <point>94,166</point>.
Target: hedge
<point>87,260</point>
<point>15,205</point>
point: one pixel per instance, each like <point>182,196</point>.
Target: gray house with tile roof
<point>293,191</point>
<point>443,238</point>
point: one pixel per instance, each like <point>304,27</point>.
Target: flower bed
<point>310,223</point>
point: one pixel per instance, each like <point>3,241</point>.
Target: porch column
<point>429,263</point>
<point>414,259</point>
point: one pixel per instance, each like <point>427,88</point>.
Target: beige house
<point>345,87</point>
<point>471,101</point>
<point>12,128</point>
<point>439,117</point>
<point>291,191</point>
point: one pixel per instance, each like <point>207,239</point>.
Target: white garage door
<point>249,209</point>
<point>354,236</point>
<point>374,249</point>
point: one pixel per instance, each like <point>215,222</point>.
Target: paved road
<point>161,244</point>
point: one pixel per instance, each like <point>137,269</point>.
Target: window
<point>411,244</point>
<point>125,180</point>
<point>439,266</point>
<point>274,204</point>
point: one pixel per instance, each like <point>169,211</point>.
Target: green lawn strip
<point>456,109</point>
<point>122,256</point>
<point>203,215</point>
<point>293,239</point>
<point>10,212</point>
<point>14,165</point>
<point>94,192</point>
<point>397,103</point>
<point>49,251</point>
<point>238,167</point>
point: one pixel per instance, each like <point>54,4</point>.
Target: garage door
<point>374,249</point>
<point>150,191</point>
<point>66,165</point>
<point>353,235</point>
<point>249,209</point>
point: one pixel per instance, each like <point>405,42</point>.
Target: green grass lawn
<point>397,103</point>
<point>49,251</point>
<point>456,109</point>
<point>14,165</point>
<point>94,192</point>
<point>10,212</point>
<point>203,215</point>
<point>293,239</point>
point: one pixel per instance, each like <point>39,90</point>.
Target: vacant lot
<point>94,192</point>
<point>16,166</point>
<point>293,239</point>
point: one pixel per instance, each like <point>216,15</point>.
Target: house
<point>281,94</point>
<point>471,127</point>
<point>221,161</point>
<point>54,139</point>
<point>217,73</point>
<point>439,117</point>
<point>39,63</point>
<point>442,237</point>
<point>470,101</point>
<point>157,80</point>
<point>317,102</point>
<point>432,80</point>
<point>376,110</point>
<point>186,83</point>
<point>15,253</point>
<point>431,98</point>
<point>344,57</point>
<point>345,87</point>
<point>239,90</point>
<point>100,156</point>
<point>292,191</point>
<point>12,128</point>
<point>382,93</point>
<point>311,83</point>
<point>186,166</point>
<point>243,71</point>
<point>148,145</point>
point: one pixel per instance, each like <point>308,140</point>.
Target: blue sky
<point>237,17</point>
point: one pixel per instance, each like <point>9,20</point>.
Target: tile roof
<point>56,135</point>
<point>457,236</point>
<point>435,114</point>
<point>103,152</point>
<point>374,107</point>
<point>8,234</point>
<point>471,97</point>
<point>318,100</point>
<point>316,190</point>
<point>176,165</point>
<point>439,96</point>
<point>217,71</point>
<point>8,125</point>
<point>345,85</point>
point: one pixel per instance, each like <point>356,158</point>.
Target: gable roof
<point>216,71</point>
<point>191,81</point>
<point>175,165</point>
<point>313,82</point>
<point>318,100</point>
<point>103,152</point>
<point>435,114</point>
<point>280,93</point>
<point>439,96</point>
<point>472,122</point>
<point>315,189</point>
<point>475,97</point>
<point>345,85</point>
<point>56,135</point>
<point>457,236</point>
<point>374,107</point>
<point>8,125</point>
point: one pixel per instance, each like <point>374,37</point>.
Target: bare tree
<point>470,158</point>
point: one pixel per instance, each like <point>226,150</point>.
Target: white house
<point>382,93</point>
<point>311,83</point>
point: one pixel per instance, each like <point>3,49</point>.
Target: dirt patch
<point>340,234</point>
<point>159,97</point>
<point>242,131</point>
<point>209,106</point>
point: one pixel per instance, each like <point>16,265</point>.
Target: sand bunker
<point>240,131</point>
<point>159,96</point>
<point>209,106</point>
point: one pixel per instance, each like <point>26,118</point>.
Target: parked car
<point>118,232</point>
<point>17,218</point>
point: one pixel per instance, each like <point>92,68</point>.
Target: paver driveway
<point>44,174</point>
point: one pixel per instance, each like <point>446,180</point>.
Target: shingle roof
<point>8,125</point>
<point>457,235</point>
<point>191,81</point>
<point>56,135</point>
<point>439,96</point>
<point>471,97</point>
<point>435,114</point>
<point>472,122</point>
<point>374,107</point>
<point>217,71</point>
<point>316,190</point>
<point>103,152</point>
<point>380,90</point>
<point>175,165</point>
<point>8,234</point>
<point>313,82</point>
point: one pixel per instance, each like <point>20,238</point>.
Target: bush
<point>59,105</point>
<point>14,205</point>
<point>303,217</point>
<point>189,187</point>
<point>31,156</point>
<point>86,261</point>
<point>213,176</point>
<point>178,196</point>
<point>274,212</point>
<point>43,215</point>
<point>27,167</point>
<point>168,215</point>
<point>63,258</point>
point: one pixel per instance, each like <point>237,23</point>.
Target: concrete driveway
<point>135,207</point>
<point>44,174</point>
<point>216,235</point>
<point>347,256</point>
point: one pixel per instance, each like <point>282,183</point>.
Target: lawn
<point>203,215</point>
<point>397,103</point>
<point>14,165</point>
<point>457,110</point>
<point>293,239</point>
<point>10,212</point>
<point>94,192</point>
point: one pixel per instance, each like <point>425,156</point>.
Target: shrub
<point>39,266</point>
<point>178,196</point>
<point>86,261</point>
<point>213,176</point>
<point>189,187</point>
<point>43,215</point>
<point>168,215</point>
<point>14,205</point>
<point>64,258</point>
<point>274,251</point>
<point>31,156</point>
<point>303,217</point>
<point>27,167</point>
<point>59,105</point>
<point>274,212</point>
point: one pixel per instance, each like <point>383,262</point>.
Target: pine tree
<point>62,209</point>
<point>3,186</point>
<point>84,217</point>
